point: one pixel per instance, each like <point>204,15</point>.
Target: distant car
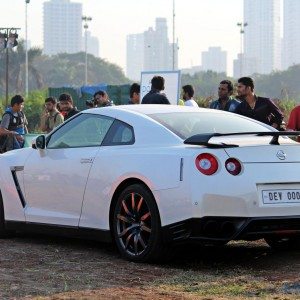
<point>149,176</point>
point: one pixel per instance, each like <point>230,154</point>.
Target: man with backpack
<point>52,117</point>
<point>13,125</point>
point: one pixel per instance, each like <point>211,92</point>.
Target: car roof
<point>146,109</point>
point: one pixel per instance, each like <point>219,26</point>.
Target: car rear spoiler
<point>203,139</point>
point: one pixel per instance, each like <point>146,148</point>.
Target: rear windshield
<point>186,124</point>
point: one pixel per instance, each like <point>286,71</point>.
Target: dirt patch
<point>38,267</point>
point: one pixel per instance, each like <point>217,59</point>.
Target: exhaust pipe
<point>227,229</point>
<point>211,228</point>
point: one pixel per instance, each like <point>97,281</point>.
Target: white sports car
<point>148,176</point>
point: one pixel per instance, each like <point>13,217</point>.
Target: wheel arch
<point>124,184</point>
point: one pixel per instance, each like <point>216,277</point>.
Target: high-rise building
<point>62,27</point>
<point>151,51</point>
<point>291,38</point>
<point>92,44</point>
<point>135,56</point>
<point>262,35</point>
<point>158,51</point>
<point>243,66</point>
<point>215,60</point>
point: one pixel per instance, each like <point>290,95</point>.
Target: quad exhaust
<point>219,229</point>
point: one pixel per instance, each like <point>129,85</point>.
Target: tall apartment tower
<point>158,51</point>
<point>135,56</point>
<point>62,27</point>
<point>92,44</point>
<point>291,37</point>
<point>151,51</point>
<point>262,42</point>
<point>215,60</point>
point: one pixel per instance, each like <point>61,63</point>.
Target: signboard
<point>172,84</point>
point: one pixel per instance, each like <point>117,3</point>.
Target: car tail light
<point>233,166</point>
<point>206,163</point>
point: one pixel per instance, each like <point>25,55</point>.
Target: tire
<point>136,225</point>
<point>283,243</point>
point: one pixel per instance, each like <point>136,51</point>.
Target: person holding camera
<point>89,104</point>
<point>101,99</point>
<point>51,117</point>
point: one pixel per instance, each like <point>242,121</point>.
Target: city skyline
<point>151,51</point>
<point>196,27</point>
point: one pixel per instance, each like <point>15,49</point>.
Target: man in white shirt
<point>188,94</point>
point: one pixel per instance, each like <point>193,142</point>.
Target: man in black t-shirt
<point>155,96</point>
<point>66,106</point>
<point>258,108</point>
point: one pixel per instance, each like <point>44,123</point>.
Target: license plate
<point>281,196</point>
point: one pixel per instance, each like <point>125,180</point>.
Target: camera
<point>90,103</point>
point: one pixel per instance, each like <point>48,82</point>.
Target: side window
<point>85,130</point>
<point>120,133</point>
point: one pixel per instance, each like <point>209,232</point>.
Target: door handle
<point>86,160</point>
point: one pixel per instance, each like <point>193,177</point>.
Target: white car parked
<point>148,176</point>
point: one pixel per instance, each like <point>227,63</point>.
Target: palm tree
<point>16,71</point>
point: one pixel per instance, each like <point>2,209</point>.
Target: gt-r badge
<point>281,155</point>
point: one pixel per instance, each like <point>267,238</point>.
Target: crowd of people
<point>246,103</point>
<point>13,125</point>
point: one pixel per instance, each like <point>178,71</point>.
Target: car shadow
<point>193,256</point>
<point>241,254</point>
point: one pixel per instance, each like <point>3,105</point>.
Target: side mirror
<point>39,142</point>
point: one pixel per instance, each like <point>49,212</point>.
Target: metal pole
<point>85,54</point>
<point>26,50</point>
<point>6,80</point>
<point>86,19</point>
<point>9,32</point>
<point>173,36</point>
<point>241,62</point>
<point>242,31</point>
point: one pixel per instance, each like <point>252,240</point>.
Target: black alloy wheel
<point>136,225</point>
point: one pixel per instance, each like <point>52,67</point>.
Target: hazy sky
<point>199,24</point>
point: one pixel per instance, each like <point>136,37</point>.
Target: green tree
<point>16,70</point>
<point>205,83</point>
<point>33,109</point>
<point>55,71</point>
<point>34,106</point>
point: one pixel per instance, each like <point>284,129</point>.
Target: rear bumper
<point>225,229</point>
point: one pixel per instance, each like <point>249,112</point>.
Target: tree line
<point>282,85</point>
<point>68,70</point>
<point>54,71</point>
